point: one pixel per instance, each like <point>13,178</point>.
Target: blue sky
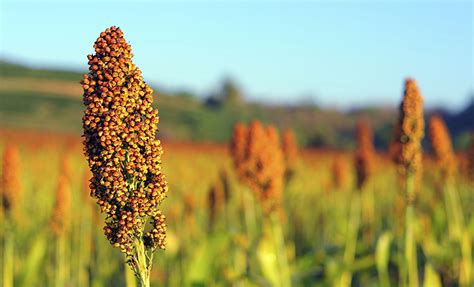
<point>341,54</point>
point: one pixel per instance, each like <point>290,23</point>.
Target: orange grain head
<point>442,147</point>
<point>120,143</point>
<point>10,185</point>
<point>261,166</point>
<point>410,133</point>
<point>365,153</point>
<point>290,152</point>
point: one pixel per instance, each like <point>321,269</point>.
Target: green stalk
<point>279,241</point>
<point>250,216</point>
<point>143,262</point>
<point>410,244</point>
<point>351,240</point>
<point>59,280</point>
<point>457,228</point>
<point>8,254</point>
<point>129,276</point>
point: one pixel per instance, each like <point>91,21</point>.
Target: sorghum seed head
<point>11,187</point>
<point>259,162</point>
<point>120,143</point>
<point>442,147</point>
<point>410,133</point>
<point>238,146</point>
<point>365,153</point>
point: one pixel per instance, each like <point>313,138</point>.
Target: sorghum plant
<point>259,162</point>
<point>10,193</point>
<point>258,159</point>
<point>60,223</point>
<point>447,163</point>
<point>442,147</point>
<point>409,160</point>
<point>124,154</point>
<point>365,153</point>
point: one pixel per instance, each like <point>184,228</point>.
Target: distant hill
<point>52,100</point>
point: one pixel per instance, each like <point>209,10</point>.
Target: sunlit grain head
<point>120,143</point>
<point>442,148</point>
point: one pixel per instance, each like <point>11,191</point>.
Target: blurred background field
<point>50,101</point>
<point>203,254</point>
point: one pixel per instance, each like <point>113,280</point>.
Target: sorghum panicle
<point>259,161</point>
<point>120,143</point>
<point>11,187</point>
<point>410,133</point>
<point>237,148</point>
<point>442,147</point>
<point>365,153</point>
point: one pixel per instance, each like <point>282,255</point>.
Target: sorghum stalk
<point>364,160</point>
<point>259,161</point>
<point>123,152</point>
<point>410,133</point>
<point>351,240</point>
<point>59,226</point>
<point>364,165</point>
<point>446,161</point>
<point>10,195</point>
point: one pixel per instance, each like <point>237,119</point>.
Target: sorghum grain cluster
<point>120,143</point>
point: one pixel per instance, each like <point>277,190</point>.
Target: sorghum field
<point>217,234</point>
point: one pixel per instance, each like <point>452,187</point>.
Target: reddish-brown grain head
<point>442,147</point>
<point>410,133</point>
<point>120,126</point>
<point>11,187</point>
<point>365,153</point>
<point>262,164</point>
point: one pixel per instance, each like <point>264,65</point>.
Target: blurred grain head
<point>442,148</point>
<point>11,188</point>
<point>409,134</point>
<point>365,153</point>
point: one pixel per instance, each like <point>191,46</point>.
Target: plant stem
<point>351,240</point>
<point>249,213</point>
<point>8,253</point>
<point>60,264</point>
<point>410,244</point>
<point>142,263</point>
<point>279,241</point>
